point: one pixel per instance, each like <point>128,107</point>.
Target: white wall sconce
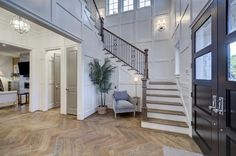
<point>161,25</point>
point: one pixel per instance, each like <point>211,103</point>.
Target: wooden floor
<point>49,133</point>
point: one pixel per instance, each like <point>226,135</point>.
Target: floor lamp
<point>136,85</point>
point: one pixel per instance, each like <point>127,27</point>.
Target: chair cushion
<point>121,95</point>
<point>123,104</point>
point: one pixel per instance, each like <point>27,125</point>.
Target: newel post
<point>144,86</point>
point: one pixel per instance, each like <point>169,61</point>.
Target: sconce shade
<point>1,73</point>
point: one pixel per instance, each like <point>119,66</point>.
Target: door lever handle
<point>213,105</point>
<point>221,106</point>
<point>67,89</point>
<point>216,110</point>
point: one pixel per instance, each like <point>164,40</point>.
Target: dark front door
<point>214,79</point>
<point>205,123</point>
<point>227,77</point>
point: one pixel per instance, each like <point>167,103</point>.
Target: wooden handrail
<point>96,7</point>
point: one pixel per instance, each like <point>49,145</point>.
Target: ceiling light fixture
<point>20,24</point>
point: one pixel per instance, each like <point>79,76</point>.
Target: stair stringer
<point>185,107</point>
<point>132,73</point>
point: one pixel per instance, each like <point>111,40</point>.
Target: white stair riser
<point>163,86</point>
<point>165,99</point>
<point>166,107</point>
<point>168,128</point>
<point>163,92</point>
<point>167,116</point>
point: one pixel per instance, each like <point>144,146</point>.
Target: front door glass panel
<point>204,67</point>
<point>232,61</point>
<point>203,35</point>
<point>231,16</point>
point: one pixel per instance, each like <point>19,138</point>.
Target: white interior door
<point>57,79</point>
<point>71,89</point>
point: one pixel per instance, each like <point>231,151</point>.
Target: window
<point>204,67</point>
<point>203,36</point>
<point>144,3</point>
<point>112,7</point>
<point>232,62</point>
<point>128,5</point>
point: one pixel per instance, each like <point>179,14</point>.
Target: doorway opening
<point>53,78</point>
<point>47,61</point>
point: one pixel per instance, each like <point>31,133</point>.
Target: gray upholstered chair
<point>123,103</point>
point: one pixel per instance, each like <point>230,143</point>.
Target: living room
<point>14,72</point>
<point>32,60</point>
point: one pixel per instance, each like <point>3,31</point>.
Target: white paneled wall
<point>182,13</point>
<point>140,28</point>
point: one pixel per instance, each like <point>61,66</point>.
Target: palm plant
<point>100,76</point>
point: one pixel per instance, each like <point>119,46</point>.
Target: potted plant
<point>100,76</point>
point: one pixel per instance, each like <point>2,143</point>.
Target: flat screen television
<point>24,68</point>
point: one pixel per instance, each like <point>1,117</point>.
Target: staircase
<point>162,108</point>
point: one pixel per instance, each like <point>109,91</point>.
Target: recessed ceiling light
<point>4,45</point>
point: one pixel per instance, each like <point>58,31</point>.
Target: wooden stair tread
<point>162,89</point>
<point>167,122</point>
<point>163,95</point>
<point>163,103</point>
<point>161,83</point>
<point>166,112</point>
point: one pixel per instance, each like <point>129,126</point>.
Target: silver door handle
<point>216,110</point>
<point>213,105</point>
<point>221,106</point>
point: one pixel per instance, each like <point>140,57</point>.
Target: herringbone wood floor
<point>49,133</point>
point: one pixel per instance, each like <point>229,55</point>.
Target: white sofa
<point>8,98</point>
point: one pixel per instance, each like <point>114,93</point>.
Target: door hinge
<point>191,123</point>
<point>191,94</point>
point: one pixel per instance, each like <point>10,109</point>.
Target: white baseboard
<point>168,128</point>
<point>82,116</point>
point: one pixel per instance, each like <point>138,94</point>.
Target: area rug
<point>169,151</point>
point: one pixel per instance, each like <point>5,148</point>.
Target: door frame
<point>80,110</point>
<point>46,89</point>
<point>210,12</point>
<point>225,86</point>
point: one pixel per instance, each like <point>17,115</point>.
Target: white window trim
<point>144,6</point>
<point>122,6</point>
<point>108,11</point>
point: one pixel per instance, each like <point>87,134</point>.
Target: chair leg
<point>134,113</point>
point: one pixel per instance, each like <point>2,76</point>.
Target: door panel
<point>203,98</point>
<point>57,79</point>
<point>72,80</point>
<point>227,77</point>
<point>205,82</point>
